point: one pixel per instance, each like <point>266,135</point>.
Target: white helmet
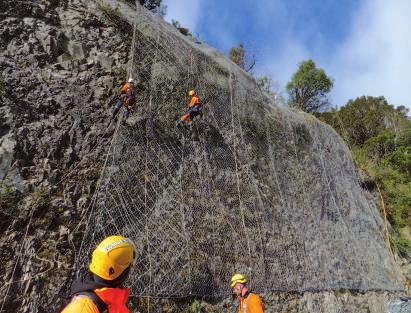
<point>131,80</point>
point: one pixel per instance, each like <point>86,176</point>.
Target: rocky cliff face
<point>60,63</point>
<point>253,187</point>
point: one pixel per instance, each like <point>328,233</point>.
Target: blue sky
<point>365,45</point>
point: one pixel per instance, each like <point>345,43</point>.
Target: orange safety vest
<point>194,100</point>
<point>125,88</point>
<point>251,303</point>
<point>128,93</point>
<point>114,298</point>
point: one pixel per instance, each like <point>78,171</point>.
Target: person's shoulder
<point>81,304</point>
<point>254,297</point>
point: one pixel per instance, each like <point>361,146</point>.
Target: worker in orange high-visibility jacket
<point>194,109</point>
<point>101,289</point>
<point>127,98</point>
<point>249,301</point>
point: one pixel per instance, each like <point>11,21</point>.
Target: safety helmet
<point>238,278</point>
<point>112,257</point>
<point>191,93</point>
<point>131,80</point>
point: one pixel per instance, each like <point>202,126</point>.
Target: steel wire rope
<point>149,123</point>
<point>252,181</point>
<point>236,170</point>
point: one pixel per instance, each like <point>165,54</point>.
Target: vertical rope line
<point>385,218</point>
<point>146,220</point>
<point>182,200</point>
<point>236,171</point>
<point>149,130</point>
<point>133,41</point>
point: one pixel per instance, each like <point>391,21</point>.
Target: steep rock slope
<point>60,64</point>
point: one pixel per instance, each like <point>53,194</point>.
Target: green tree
<point>366,117</point>
<point>265,83</point>
<point>155,6</point>
<point>309,87</point>
<point>183,30</point>
<point>239,56</point>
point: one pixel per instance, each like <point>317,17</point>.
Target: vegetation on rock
<point>308,88</point>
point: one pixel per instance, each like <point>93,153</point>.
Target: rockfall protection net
<point>252,188</point>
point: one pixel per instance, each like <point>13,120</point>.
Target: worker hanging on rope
<point>249,301</point>
<point>127,98</point>
<point>194,109</point>
<point>101,289</point>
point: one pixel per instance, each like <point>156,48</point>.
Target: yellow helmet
<point>191,93</point>
<point>238,278</point>
<point>112,257</point>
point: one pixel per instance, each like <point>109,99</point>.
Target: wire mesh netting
<point>252,187</point>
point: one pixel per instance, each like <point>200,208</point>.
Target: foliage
<point>184,31</point>
<point>155,6</point>
<point>379,146</point>
<point>239,56</point>
<point>195,307</point>
<point>366,117</point>
<point>403,246</point>
<point>9,198</point>
<point>265,83</point>
<point>309,87</point>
